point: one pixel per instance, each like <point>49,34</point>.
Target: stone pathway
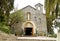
<point>36,39</point>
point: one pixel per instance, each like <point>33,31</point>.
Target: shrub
<point>4,28</point>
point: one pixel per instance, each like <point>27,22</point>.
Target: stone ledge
<point>37,38</point>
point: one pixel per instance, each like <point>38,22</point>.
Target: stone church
<point>35,21</point>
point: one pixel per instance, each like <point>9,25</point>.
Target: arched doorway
<point>28,31</point>
<point>28,28</point>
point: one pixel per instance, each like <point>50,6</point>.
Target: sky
<point>19,4</point>
<point>22,3</point>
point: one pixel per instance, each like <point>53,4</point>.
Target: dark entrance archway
<point>28,31</point>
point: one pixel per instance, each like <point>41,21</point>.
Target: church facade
<point>35,21</point>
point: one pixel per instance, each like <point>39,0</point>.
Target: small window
<point>38,8</point>
<point>39,20</point>
<point>35,18</point>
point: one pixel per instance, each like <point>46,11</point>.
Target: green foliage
<point>4,28</point>
<point>50,18</point>
<point>5,7</point>
<point>52,35</point>
<point>15,18</point>
<point>49,25</point>
<point>51,13</point>
<point>59,10</point>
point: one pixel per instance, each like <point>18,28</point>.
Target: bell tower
<point>39,7</point>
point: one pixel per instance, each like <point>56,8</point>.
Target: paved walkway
<point>37,38</point>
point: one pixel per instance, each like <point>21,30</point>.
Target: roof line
<point>27,6</point>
